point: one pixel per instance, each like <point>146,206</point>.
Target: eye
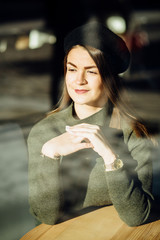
<point>70,69</point>
<point>92,72</point>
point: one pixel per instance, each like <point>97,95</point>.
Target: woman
<point>91,151</point>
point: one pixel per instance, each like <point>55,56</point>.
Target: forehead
<point>80,56</point>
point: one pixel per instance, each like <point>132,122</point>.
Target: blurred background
<point>31,72</point>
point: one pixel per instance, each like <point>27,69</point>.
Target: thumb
<point>84,145</point>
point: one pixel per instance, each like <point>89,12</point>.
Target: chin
<point>80,102</point>
<point>89,103</point>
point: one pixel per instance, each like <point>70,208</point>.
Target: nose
<point>81,78</point>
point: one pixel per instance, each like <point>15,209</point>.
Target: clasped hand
<point>79,137</point>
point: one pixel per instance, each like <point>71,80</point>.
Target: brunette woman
<point>91,151</point>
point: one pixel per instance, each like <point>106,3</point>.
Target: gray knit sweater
<point>80,181</point>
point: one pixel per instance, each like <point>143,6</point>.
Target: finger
<point>81,146</point>
<point>86,125</point>
<point>86,140</point>
<point>83,125</point>
<point>83,129</point>
<point>83,135</point>
<point>78,139</point>
<point>90,136</point>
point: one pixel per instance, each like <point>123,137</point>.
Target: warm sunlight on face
<point>83,80</point>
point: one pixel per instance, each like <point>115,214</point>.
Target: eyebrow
<point>87,67</point>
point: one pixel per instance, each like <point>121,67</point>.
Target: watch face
<point>114,166</point>
<point>118,163</point>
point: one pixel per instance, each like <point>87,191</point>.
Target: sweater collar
<point>100,118</point>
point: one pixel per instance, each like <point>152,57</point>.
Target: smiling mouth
<point>81,91</point>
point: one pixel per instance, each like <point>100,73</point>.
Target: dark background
<point>30,81</point>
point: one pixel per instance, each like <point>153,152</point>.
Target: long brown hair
<point>114,89</point>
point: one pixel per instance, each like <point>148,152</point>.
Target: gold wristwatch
<point>114,166</point>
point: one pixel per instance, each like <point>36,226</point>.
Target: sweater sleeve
<point>44,183</point>
<point>130,186</point>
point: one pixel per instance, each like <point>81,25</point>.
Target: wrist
<point>113,165</point>
<point>55,156</point>
<point>109,158</point>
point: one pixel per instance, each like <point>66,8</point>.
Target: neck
<point>84,111</point>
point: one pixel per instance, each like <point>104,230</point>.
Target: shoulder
<point>119,122</point>
<point>140,146</point>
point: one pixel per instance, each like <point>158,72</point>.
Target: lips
<point>81,91</point>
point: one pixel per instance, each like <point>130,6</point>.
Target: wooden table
<point>101,224</point>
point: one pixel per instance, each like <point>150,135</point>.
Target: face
<point>83,80</point>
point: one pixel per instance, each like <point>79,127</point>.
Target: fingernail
<point>67,128</point>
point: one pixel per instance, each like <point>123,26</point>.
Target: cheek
<point>69,80</point>
<point>97,85</point>
<point>69,86</point>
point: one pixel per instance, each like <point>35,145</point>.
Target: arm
<point>44,185</point>
<point>130,186</point>
<point>44,181</point>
